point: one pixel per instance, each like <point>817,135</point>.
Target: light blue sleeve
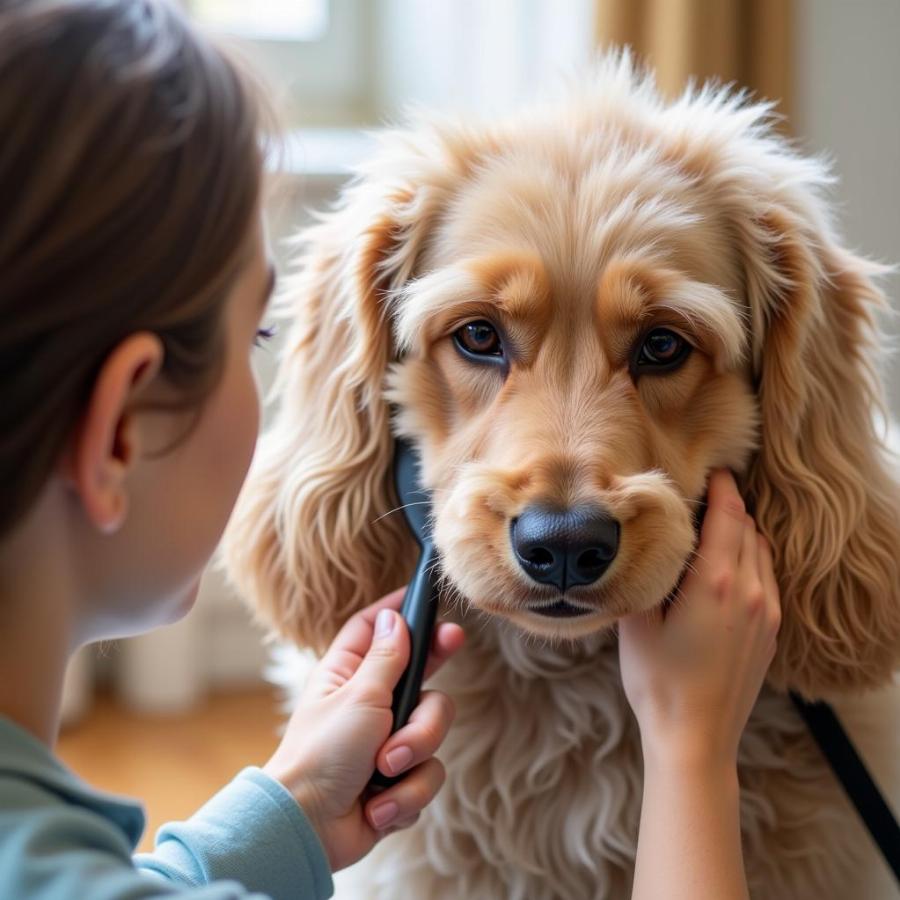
<point>252,831</point>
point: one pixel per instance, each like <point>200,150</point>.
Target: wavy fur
<point>696,210</point>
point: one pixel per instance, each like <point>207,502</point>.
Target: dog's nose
<point>566,548</point>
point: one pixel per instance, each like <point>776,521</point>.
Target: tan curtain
<point>744,41</point>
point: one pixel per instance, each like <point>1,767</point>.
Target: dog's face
<point>574,367</point>
<point>576,315</point>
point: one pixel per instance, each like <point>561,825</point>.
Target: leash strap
<point>852,773</point>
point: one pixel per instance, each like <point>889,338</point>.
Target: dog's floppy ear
<point>312,540</point>
<point>821,484</point>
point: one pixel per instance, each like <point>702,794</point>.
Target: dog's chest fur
<point>543,791</point>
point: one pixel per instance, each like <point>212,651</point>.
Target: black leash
<point>852,773</point>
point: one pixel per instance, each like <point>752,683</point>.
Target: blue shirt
<point>62,840</point>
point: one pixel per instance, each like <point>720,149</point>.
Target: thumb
<point>387,656</point>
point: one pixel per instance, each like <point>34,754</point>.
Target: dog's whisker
<point>678,597</point>
<point>390,512</point>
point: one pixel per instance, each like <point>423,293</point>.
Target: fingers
<point>353,641</point>
<point>406,798</point>
<point>420,738</point>
<point>356,635</point>
<point>448,640</point>
<point>770,585</point>
<point>723,527</point>
<point>385,660</point>
<point>749,555</point>
<point>767,570</point>
<point>404,823</point>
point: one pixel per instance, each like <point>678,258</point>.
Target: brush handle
<point>419,611</point>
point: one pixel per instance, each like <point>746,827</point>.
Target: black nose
<point>564,548</point>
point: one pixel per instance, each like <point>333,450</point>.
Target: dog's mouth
<point>561,609</point>
<point>553,589</point>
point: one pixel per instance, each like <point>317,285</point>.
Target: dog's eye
<point>479,339</point>
<point>662,350</point>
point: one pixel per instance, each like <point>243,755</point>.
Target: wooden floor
<point>172,764</point>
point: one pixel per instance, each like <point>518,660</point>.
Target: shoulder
<point>30,806</point>
<point>22,797</point>
<point>41,834</point>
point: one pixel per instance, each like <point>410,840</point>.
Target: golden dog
<point>576,314</point>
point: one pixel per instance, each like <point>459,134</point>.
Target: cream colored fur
<point>559,819</point>
<point>575,223</point>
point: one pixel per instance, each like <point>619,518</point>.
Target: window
<point>279,20</point>
<point>315,55</point>
<point>349,64</point>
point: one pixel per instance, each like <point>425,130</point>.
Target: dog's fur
<point>576,227</point>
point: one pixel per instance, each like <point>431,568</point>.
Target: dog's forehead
<point>562,227</point>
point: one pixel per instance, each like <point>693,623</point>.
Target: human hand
<point>340,729</point>
<point>692,672</point>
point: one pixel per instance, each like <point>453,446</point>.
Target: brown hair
<point>130,173</point>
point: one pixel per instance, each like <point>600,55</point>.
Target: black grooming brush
<point>419,608</point>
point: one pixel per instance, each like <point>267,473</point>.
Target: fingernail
<point>384,814</point>
<point>398,759</point>
<point>384,623</point>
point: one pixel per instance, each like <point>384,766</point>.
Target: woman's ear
<point>105,443</point>
<point>823,489</point>
<point>311,540</point>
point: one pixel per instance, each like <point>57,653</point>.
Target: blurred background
<point>173,715</point>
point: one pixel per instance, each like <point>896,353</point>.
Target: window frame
<point>325,82</point>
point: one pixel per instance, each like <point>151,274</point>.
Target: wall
<point>848,105</point>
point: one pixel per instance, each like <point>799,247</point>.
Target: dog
<point>582,310</point>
